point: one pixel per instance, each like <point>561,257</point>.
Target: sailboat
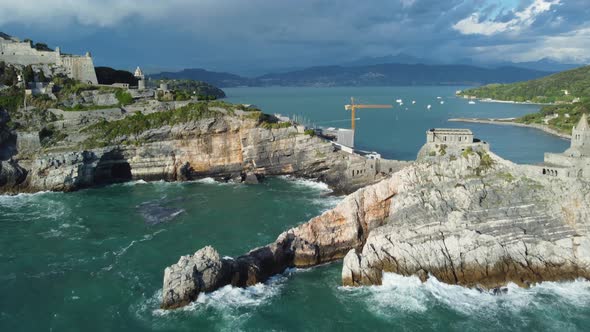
<point>428,107</point>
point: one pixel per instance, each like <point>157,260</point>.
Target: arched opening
<point>112,168</point>
<point>544,171</point>
<point>121,171</point>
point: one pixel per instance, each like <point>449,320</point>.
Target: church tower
<point>140,79</point>
<point>580,144</point>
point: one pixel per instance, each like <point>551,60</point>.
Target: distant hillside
<point>399,74</point>
<point>219,79</point>
<point>371,75</point>
<point>400,58</point>
<point>107,75</point>
<point>548,89</point>
<point>196,88</point>
<point>568,107</point>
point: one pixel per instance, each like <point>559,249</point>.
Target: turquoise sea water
<point>93,260</point>
<point>399,133</point>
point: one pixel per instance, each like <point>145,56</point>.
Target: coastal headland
<point>512,122</point>
<point>460,214</point>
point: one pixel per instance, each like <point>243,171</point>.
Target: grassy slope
<point>547,90</point>
<point>543,90</point>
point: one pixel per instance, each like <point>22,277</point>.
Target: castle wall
<point>23,54</point>
<point>78,67</point>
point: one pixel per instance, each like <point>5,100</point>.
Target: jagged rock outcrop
<point>325,238</point>
<point>476,220</point>
<point>204,271</point>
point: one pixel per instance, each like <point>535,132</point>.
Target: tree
<point>42,77</point>
<point>28,74</point>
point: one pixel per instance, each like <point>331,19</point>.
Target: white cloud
<point>473,25</point>
<point>569,47</point>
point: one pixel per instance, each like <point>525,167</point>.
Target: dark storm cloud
<point>264,34</point>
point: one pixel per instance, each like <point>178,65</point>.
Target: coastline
<point>490,100</point>
<point>510,122</point>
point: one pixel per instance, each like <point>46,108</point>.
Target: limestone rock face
<point>477,220</point>
<point>11,174</point>
<point>481,231</point>
<point>221,147</point>
<point>325,238</point>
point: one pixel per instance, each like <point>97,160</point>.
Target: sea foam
<point>400,296</point>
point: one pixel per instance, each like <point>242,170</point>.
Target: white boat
<point>428,107</point>
<point>471,102</point>
<point>442,102</point>
<point>413,102</point>
<point>400,104</point>
<point>399,101</point>
<point>438,97</point>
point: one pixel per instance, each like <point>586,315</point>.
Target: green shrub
<point>442,149</point>
<point>108,132</point>
<point>123,97</point>
<point>468,151</point>
<point>275,125</point>
<point>11,99</point>
<point>309,132</point>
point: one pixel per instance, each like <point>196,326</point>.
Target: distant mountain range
<point>219,79</point>
<point>366,75</point>
<point>544,64</point>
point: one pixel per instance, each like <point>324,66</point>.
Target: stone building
<point>575,161</point>
<point>77,67</point>
<point>450,142</point>
<point>449,136</point>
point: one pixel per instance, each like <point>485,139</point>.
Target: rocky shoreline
<point>227,147</point>
<point>510,122</point>
<point>457,219</point>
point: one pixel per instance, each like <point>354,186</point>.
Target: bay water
<point>93,260</point>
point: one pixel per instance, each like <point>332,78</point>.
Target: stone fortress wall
<point>21,53</point>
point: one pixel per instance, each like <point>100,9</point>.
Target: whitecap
<point>312,184</point>
<point>207,180</point>
<point>328,202</point>
<point>134,183</point>
<point>399,295</point>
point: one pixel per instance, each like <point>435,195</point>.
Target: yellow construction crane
<point>352,108</point>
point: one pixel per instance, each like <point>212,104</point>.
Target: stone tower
<point>140,79</point>
<point>580,144</point>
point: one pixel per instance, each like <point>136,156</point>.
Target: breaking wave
<point>401,296</point>
<point>316,185</point>
<point>231,305</point>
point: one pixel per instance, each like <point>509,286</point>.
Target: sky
<point>256,36</point>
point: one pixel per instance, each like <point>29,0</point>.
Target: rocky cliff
<point>475,220</point>
<point>222,144</point>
